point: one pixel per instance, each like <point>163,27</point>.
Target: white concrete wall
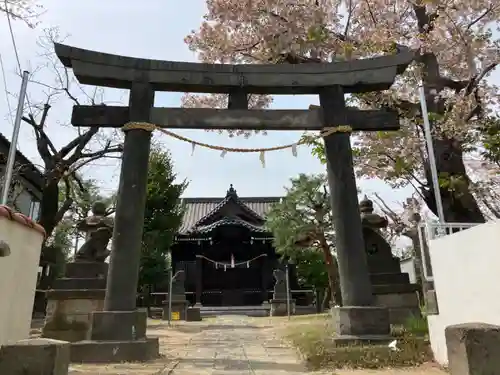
<point>18,275</point>
<point>466,268</point>
<point>408,266</point>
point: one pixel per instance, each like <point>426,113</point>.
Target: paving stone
<point>236,347</point>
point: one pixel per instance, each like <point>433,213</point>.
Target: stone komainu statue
<point>99,230</point>
<point>280,284</point>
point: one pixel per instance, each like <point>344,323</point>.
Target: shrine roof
<point>229,221</point>
<point>197,209</point>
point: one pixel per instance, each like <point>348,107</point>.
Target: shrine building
<point>225,251</point>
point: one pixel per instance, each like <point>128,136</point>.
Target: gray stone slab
<point>35,357</point>
<point>102,69</point>
<point>473,349</point>
<point>211,118</point>
<point>234,345</point>
<point>87,294</point>
<point>118,325</point>
<point>361,321</point>
<point>115,351</point>
<point>431,302</point>
<point>193,314</point>
<point>86,270</point>
<point>79,283</point>
<point>279,307</point>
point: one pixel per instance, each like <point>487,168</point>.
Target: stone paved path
<point>231,345</point>
<point>227,345</point>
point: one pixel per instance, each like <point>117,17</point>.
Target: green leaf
<point>302,213</point>
<point>162,219</point>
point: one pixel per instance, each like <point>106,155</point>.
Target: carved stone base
<point>179,307</point>
<point>119,325</point>
<point>279,307</point>
<point>193,314</point>
<point>86,270</point>
<point>73,298</point>
<point>34,357</point>
<point>68,315</point>
<point>402,304</point>
<point>361,324</point>
<point>473,348</point>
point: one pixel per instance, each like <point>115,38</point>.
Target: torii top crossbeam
<point>356,76</point>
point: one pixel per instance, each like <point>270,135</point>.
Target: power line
<point>13,39</point>
<point>16,53</point>
<point>6,90</point>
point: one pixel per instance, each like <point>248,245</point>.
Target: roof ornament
<point>231,192</point>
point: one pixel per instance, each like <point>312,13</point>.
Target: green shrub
<point>315,341</point>
<point>417,326</point>
<point>411,351</point>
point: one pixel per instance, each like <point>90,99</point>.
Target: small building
<point>225,251</point>
<point>27,182</point>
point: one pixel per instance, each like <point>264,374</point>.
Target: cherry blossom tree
<point>22,10</point>
<point>457,44</point>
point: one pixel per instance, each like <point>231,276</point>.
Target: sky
<point>154,31</point>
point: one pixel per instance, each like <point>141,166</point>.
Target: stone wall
<point>18,274</point>
<point>466,269</point>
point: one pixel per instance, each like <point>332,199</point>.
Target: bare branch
<point>78,144</point>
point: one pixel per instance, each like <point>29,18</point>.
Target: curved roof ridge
<point>227,221</point>
<point>224,202</point>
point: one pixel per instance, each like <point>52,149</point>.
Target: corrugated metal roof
<point>28,170</point>
<point>197,208</point>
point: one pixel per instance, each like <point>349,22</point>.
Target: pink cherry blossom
<point>458,47</point>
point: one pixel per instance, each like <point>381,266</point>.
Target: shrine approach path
<point>227,345</point>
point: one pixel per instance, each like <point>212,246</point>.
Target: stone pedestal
<point>193,314</point>
<point>35,357</point>
<point>178,307</point>
<point>473,349</point>
<point>279,307</point>
<point>361,324</point>
<point>72,299</point>
<point>116,336</point>
<point>401,300</point>
<point>392,288</point>
<point>178,295</point>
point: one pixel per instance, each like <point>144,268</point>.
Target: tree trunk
<point>333,273</point>
<point>459,205</point>
<point>318,293</point>
<point>49,207</point>
<point>327,297</point>
<point>147,300</point>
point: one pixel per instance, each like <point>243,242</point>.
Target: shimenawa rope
<point>224,150</point>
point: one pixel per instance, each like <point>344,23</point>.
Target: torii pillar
<point>358,318</point>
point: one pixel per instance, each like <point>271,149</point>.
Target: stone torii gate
<point>120,321</point>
